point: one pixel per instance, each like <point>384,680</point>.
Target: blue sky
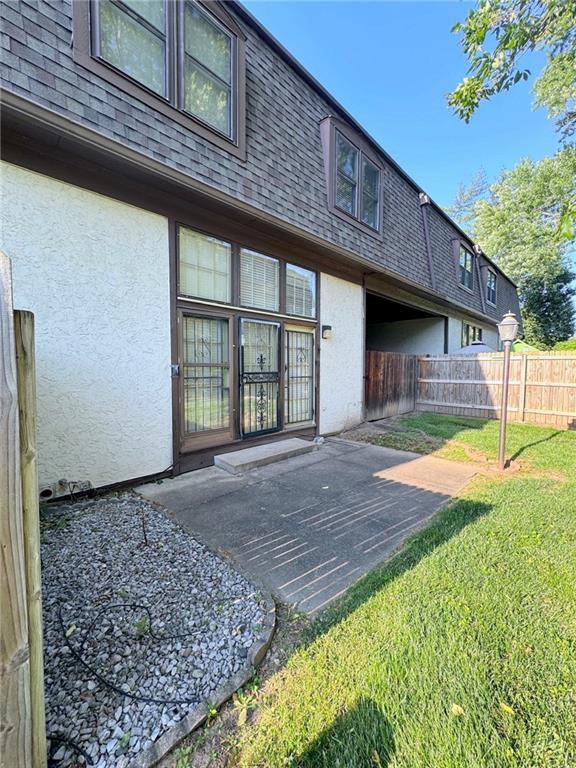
<point>391,64</point>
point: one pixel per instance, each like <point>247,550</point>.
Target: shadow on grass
<point>338,746</point>
<point>445,524</point>
<point>521,450</point>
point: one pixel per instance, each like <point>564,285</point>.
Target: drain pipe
<point>424,203</point>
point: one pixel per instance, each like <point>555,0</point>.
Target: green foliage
<point>547,309</point>
<point>498,33</point>
<point>520,224</point>
<point>456,653</point>
<point>142,625</point>
<point>569,345</point>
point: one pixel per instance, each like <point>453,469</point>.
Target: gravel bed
<point>142,623</point>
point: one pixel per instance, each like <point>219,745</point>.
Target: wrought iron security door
<point>259,376</point>
<point>299,379</point>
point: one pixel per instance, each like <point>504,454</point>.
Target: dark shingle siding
<point>283,173</point>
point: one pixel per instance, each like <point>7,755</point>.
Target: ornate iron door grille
<point>259,376</point>
<point>299,377</point>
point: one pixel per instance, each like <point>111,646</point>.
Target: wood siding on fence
<point>542,386</point>
<point>390,384</point>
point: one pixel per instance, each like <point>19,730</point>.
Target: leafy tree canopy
<point>496,35</point>
<point>516,222</point>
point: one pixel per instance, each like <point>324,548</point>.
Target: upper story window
<point>466,271</point>
<point>131,36</point>
<point>207,85</point>
<point>491,287</point>
<point>206,266</point>
<point>353,176</point>
<point>184,58</point>
<point>357,190</point>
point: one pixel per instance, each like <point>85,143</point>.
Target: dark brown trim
<point>205,458</point>
<point>329,127</point>
<point>235,256</point>
<point>457,244</point>
<point>43,141</point>
<point>424,203</point>
<point>83,54</point>
<point>480,283</point>
<point>110,487</point>
<point>175,347</point>
<point>190,442</point>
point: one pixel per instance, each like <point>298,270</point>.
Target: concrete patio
<point>308,527</point>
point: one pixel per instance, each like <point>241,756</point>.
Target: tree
<point>547,309</point>
<point>498,33</point>
<point>516,222</point>
<point>495,36</point>
<point>462,209</point>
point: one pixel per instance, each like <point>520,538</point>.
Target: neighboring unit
<point>208,240</point>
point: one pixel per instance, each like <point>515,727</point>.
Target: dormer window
<point>357,183</point>
<point>491,288</point>
<point>353,176</point>
<point>466,271</point>
<point>184,58</point>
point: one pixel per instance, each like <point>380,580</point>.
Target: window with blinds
<point>300,291</point>
<point>205,271</point>
<point>259,281</point>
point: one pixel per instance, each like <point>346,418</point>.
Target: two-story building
<point>208,240</point>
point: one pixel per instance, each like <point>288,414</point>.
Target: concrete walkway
<point>310,526</point>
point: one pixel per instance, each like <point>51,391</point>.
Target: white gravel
<point>159,621</point>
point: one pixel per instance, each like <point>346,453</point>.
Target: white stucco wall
<point>489,333</point>
<point>423,336</point>
<point>342,356</point>
<point>95,272</point>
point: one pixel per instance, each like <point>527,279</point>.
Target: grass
<point>460,652</point>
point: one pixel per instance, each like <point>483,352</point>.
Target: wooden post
<point>522,390</point>
<point>15,711</point>
<point>26,376</point>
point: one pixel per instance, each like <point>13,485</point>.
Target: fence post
<point>15,712</point>
<point>26,376</point>
<point>522,389</point>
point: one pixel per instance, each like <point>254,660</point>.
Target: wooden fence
<point>22,726</point>
<point>542,386</point>
<point>390,384</point>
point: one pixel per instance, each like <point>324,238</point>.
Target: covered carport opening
<point>392,326</point>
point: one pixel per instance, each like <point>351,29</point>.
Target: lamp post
<point>507,330</point>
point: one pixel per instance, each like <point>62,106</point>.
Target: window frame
<point>490,273</point>
<point>329,128</point>
<point>470,333</point>
<point>86,53</point>
<point>235,288</point>
<point>462,248</point>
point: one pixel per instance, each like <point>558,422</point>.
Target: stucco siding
<point>424,336</point>
<point>95,273</point>
<point>342,356</point>
<point>489,334</point>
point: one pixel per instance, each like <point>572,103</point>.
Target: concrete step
<point>237,462</point>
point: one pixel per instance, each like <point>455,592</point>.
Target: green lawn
<point>460,652</point>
